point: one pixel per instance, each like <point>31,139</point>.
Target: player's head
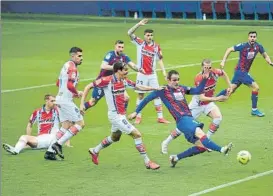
<point>119,46</point>
<point>121,69</point>
<point>76,55</point>
<point>206,65</point>
<point>148,35</point>
<point>173,78</point>
<point>252,37</point>
<point>49,101</point>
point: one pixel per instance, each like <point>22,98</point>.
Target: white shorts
<point>146,80</point>
<point>69,112</point>
<point>44,140</point>
<point>197,110</point>
<point>120,123</point>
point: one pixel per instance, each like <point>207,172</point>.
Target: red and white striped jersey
<point>147,55</point>
<point>114,92</point>
<point>210,85</point>
<point>46,120</point>
<point>69,73</point>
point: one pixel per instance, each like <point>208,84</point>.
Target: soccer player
<point>247,54</point>
<point>114,88</point>
<point>204,103</point>
<point>70,116</point>
<point>148,52</point>
<point>47,119</point>
<point>107,70</point>
<point>173,97</point>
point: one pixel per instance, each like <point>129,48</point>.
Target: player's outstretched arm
<point>162,67</point>
<point>199,89</point>
<point>84,95</point>
<point>143,103</point>
<point>267,58</point>
<point>106,66</point>
<point>134,28</point>
<point>202,97</point>
<point>227,53</point>
<point>134,67</point>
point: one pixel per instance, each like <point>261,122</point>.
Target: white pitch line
<point>233,183</point>
<point>87,79</point>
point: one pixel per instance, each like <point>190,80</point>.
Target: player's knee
<point>199,132</point>
<point>136,134</point>
<point>218,119</point>
<point>24,138</point>
<point>140,96</point>
<point>116,136</point>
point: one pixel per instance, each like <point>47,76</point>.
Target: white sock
<point>158,106</point>
<point>105,142</point>
<point>168,140</point>
<point>137,103</point>
<point>140,146</point>
<point>73,130</point>
<point>209,134</point>
<point>22,142</point>
<point>174,134</point>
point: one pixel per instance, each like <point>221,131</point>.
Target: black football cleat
<point>58,149</point>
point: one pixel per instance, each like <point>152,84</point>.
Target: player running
<point>114,88</point>
<point>247,54</point>
<point>148,52</point>
<point>204,103</point>
<point>173,97</point>
<point>70,116</point>
<point>107,70</point>
<point>47,120</point>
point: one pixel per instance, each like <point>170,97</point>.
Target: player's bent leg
<point>94,152</point>
<point>139,99</point>
<point>216,116</point>
<point>142,150</point>
<point>254,99</point>
<point>206,142</point>
<point>195,150</point>
<point>25,140</point>
<point>173,135</point>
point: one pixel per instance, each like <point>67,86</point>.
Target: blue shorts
<point>187,125</point>
<point>97,93</point>
<point>242,78</point>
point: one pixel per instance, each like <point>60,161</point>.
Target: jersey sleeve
<point>186,89</point>
<point>127,59</point>
<point>159,53</point>
<point>129,83</point>
<point>261,49</point>
<point>72,72</point>
<point>218,72</point>
<point>33,117</point>
<point>137,41</point>
<point>102,82</point>
<point>238,47</point>
<point>108,57</point>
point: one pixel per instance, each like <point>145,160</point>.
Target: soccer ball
<point>243,157</point>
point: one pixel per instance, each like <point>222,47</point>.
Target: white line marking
<point>233,183</point>
<point>87,79</point>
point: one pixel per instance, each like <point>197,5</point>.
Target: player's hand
<point>229,91</point>
<point>222,64</point>
<point>132,116</point>
<point>140,70</point>
<point>222,98</point>
<point>160,88</point>
<point>80,93</point>
<point>143,22</point>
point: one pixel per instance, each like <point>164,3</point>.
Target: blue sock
<point>210,144</point>
<point>254,98</point>
<point>223,92</point>
<point>191,152</point>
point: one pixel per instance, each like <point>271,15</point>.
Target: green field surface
<point>33,53</point>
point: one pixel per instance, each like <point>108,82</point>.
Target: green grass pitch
<point>33,53</point>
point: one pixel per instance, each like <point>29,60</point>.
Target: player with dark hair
<point>247,53</point>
